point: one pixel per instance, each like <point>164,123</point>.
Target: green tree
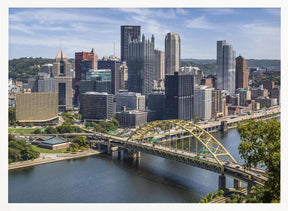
<point>81,140</point>
<point>65,128</point>
<point>28,153</point>
<point>100,129</point>
<point>68,118</point>
<point>30,124</point>
<point>115,123</point>
<point>256,194</point>
<point>260,146</point>
<point>37,131</point>
<point>110,126</point>
<point>10,137</point>
<point>19,150</point>
<point>76,129</point>
<point>14,155</point>
<point>82,148</point>
<point>196,119</point>
<point>50,130</point>
<point>12,116</point>
<point>75,145</point>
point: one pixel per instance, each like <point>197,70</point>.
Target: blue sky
<point>253,32</point>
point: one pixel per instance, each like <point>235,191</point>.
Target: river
<point>105,179</point>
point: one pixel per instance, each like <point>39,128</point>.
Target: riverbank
<point>52,157</point>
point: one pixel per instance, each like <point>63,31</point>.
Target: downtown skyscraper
<point>83,62</point>
<point>179,96</point>
<point>225,66</point>
<point>62,75</point>
<point>141,65</point>
<point>128,31</point>
<point>172,53</point>
<point>241,73</point>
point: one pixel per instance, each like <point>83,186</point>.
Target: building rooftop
<point>46,138</point>
<point>54,141</point>
<point>132,112</point>
<point>96,93</point>
<point>129,94</point>
<point>61,55</point>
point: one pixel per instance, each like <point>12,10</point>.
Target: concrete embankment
<point>53,157</point>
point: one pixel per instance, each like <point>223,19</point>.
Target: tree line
<point>259,147</point>
<point>19,150</point>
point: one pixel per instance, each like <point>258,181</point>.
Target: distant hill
<point>209,65</point>
<point>24,68</point>
<point>266,63</point>
<point>200,61</point>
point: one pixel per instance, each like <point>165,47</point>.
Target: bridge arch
<point>210,143</point>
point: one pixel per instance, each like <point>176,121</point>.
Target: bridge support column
<point>222,182</point>
<point>120,154</point>
<point>136,155</point>
<point>237,184</point>
<point>125,154</point>
<point>114,154</point>
<point>99,146</point>
<point>249,187</point>
<point>109,151</point>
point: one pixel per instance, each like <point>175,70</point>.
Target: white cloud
<point>219,11</point>
<point>181,11</point>
<point>53,16</point>
<point>70,44</point>
<point>200,23</point>
<point>151,12</point>
<point>21,28</point>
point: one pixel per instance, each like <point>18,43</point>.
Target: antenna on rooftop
<point>114,49</point>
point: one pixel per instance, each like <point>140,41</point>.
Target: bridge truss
<point>184,136</point>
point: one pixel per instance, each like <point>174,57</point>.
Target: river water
<point>104,179</point>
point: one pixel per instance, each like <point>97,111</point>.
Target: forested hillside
<point>24,68</point>
<point>209,65</point>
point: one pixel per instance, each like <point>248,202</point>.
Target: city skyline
<point>41,32</point>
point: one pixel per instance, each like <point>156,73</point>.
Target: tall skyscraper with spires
<point>225,66</point>
<point>241,73</point>
<point>61,71</point>
<point>172,53</point>
<point>128,31</point>
<point>141,65</point>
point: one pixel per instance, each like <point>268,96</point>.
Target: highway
<point>255,114</point>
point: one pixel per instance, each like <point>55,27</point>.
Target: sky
<point>254,33</point>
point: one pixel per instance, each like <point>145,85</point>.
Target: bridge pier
<point>222,182</point>
<point>249,187</point>
<point>237,184</point>
<point>136,155</point>
<point>125,154</point>
<point>109,151</point>
<point>120,154</point>
<point>114,154</point>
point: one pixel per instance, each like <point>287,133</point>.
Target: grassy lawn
<point>42,150</point>
<point>22,130</point>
